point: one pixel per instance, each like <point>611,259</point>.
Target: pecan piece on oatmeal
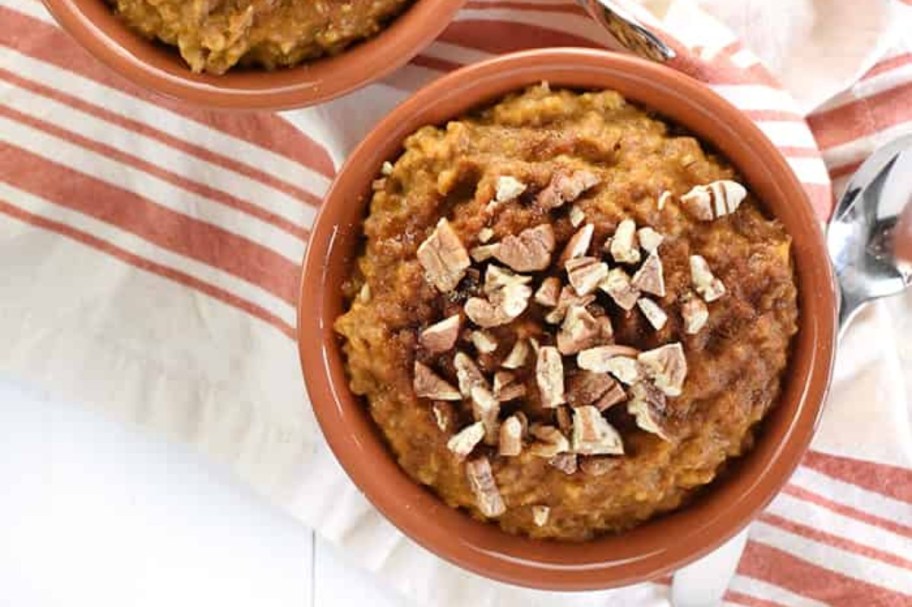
<point>580,330</point>
<point>549,441</point>
<point>653,313</point>
<point>624,247</point>
<point>443,415</point>
<point>483,252</point>
<point>567,298</point>
<point>611,359</point>
<point>468,374</point>
<point>483,341</point>
<point>485,234</point>
<point>481,481</point>
<point>508,188</point>
<point>511,433</point>
<point>695,314</point>
<point>508,296</point>
<point>647,403</point>
<point>704,282</point>
<point>579,243</point>
<point>576,216</point>
<point>664,198</point>
<point>517,356</point>
<point>666,366</point>
<point>618,286</point>
<point>649,239</point>
<point>586,274</point>
<point>650,278</point>
<point>713,200</point>
<point>565,187</point>
<point>443,257</point>
<point>506,387</point>
<point>549,375</point>
<point>428,384</point>
<point>548,292</point>
<point>463,442</point>
<point>565,462</point>
<point>597,389</point>
<point>529,251</point>
<point>441,336</point>
<point>486,409</point>
<point>593,435</point>
<point>540,515</point>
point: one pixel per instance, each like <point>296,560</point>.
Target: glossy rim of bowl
<point>660,545</point>
<point>160,68</point>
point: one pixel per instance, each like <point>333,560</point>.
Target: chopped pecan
<point>517,356</point>
<point>617,284</point>
<point>485,234</point>
<point>564,421</point>
<point>711,201</point>
<point>666,366</point>
<point>653,313</point>
<point>511,433</point>
<point>483,252</point>
<point>606,330</point>
<point>443,257</point>
<point>695,314</point>
<point>441,336</point>
<point>586,274</point>
<point>484,342</point>
<point>549,441</point>
<point>648,404</point>
<point>540,515</point>
<point>649,239</point>
<point>704,282</point>
<point>386,169</point>
<point>565,462</point>
<point>428,384</point>
<point>664,198</point>
<point>565,187</point>
<point>443,414</point>
<point>579,331</point>
<point>463,442</point>
<point>576,215</point>
<point>530,251</point>
<point>611,359</point>
<point>579,243</point>
<point>508,296</point>
<point>486,410</point>
<point>650,278</point>
<point>506,388</point>
<point>593,435</point>
<point>568,297</point>
<point>481,481</point>
<point>364,295</point>
<point>549,375</point>
<point>624,247</point>
<point>548,292</point>
<point>598,389</point>
<point>508,188</point>
<point>468,374</point>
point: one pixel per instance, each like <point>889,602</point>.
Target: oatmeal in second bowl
<point>564,337</point>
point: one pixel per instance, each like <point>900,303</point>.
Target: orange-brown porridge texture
<point>215,35</point>
<point>540,460</point>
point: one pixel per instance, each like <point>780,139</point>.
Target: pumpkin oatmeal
<point>567,314</point>
<point>215,35</point>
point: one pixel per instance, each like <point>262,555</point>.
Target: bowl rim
<point>662,544</point>
<point>158,68</point>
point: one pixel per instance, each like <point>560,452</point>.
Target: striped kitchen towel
<point>149,259</point>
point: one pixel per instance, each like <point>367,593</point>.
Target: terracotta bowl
<point>160,68</point>
<point>658,546</point>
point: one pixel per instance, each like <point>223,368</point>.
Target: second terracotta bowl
<point>660,545</point>
<point>160,68</point>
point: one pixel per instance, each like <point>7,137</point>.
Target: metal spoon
<point>627,30</point>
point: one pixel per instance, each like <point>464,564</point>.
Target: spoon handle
<point>902,236</point>
<point>628,31</point>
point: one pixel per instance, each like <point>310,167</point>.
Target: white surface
<point>92,513</point>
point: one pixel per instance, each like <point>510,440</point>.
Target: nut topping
<point>508,188</point>
<point>647,403</point>
<point>624,247</point>
<point>664,198</point>
<point>443,414</point>
<point>481,481</point>
<point>704,282</point>
<point>443,257</point>
<point>511,431</point>
<point>468,374</point>
<point>667,367</point>
<point>593,435</point>
<point>586,274</point>
<point>579,243</point>
<point>486,410</point>
<point>530,251</point>
<point>441,336</point>
<point>617,284</point>
<point>517,356</point>
<point>579,331</point>
<point>428,384</point>
<point>540,515</point>
<point>597,389</point>
<point>548,292</point>
<point>463,442</point>
<point>565,462</point>
<point>568,297</point>
<point>485,234</point>
<point>483,252</point>
<point>508,296</point>
<point>565,187</point>
<point>484,342</point>
<point>711,201</point>
<point>649,239</point>
<point>549,441</point>
<point>650,278</point>
<point>386,169</point>
<point>695,314</point>
<point>549,375</point>
<point>364,295</point>
<point>576,215</point>
<point>653,313</point>
<point>611,359</point>
<point>506,388</point>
